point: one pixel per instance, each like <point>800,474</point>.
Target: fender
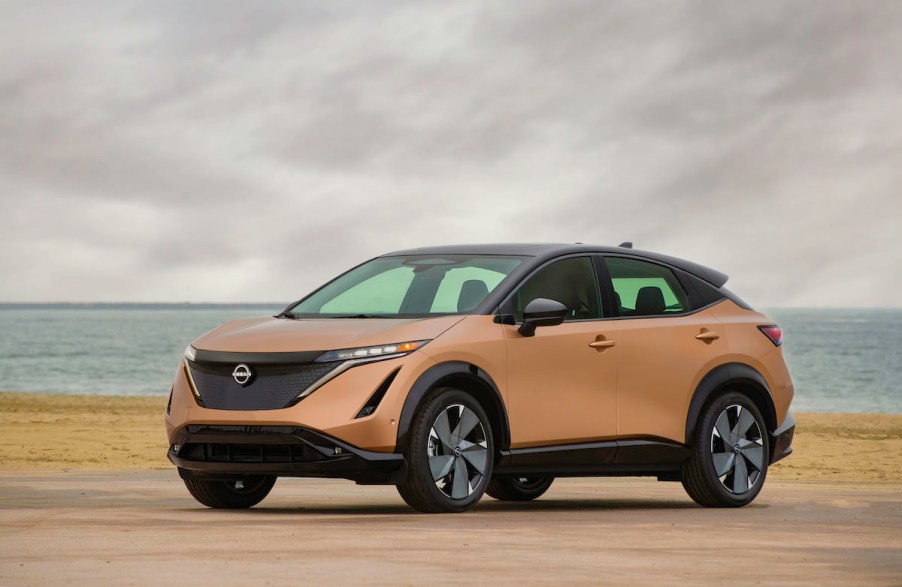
<point>736,375</point>
<point>451,371</point>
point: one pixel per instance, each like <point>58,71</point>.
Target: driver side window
<point>571,282</point>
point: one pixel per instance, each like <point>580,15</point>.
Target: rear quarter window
<point>701,293</point>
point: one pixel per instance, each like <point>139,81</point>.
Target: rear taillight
<point>773,332</point>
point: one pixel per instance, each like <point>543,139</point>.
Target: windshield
<point>413,286</point>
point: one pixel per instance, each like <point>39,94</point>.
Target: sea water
<point>840,360</point>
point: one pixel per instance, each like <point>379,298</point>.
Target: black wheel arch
<point>732,377</point>
<point>466,377</point>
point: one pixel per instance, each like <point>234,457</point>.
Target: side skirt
<point>639,457</point>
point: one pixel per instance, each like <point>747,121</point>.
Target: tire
<point>446,473</point>
<point>226,494</point>
<point>519,487</point>
<point>730,452</point>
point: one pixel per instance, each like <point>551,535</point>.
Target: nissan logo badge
<point>242,375</point>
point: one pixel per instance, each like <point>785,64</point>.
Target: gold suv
<point>462,370</point>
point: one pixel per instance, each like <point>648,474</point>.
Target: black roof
<point>541,252</point>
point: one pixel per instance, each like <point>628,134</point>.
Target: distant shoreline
<point>284,303</point>
<point>138,306</point>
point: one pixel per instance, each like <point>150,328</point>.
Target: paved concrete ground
<point>142,528</point>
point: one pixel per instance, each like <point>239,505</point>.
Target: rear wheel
<point>449,456</point>
<point>730,453</point>
<point>234,494</point>
<point>519,487</point>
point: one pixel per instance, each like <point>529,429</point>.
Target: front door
<point>562,382</point>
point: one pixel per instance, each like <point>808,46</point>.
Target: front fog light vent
<point>373,402</point>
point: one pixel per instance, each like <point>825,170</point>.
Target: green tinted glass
<point>410,286</point>
<point>475,280</point>
<point>571,282</point>
<point>645,289</point>
<point>382,293</point>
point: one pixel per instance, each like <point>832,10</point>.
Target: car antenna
<point>626,245</point>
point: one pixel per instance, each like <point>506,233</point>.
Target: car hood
<point>277,335</point>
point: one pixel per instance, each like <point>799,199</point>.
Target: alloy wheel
<point>458,451</point>
<point>737,449</point>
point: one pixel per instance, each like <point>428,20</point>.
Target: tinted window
<point>382,293</point>
<point>701,292</point>
<point>418,285</point>
<point>645,289</point>
<point>462,288</point>
<point>571,282</point>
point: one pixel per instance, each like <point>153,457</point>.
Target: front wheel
<point>730,453</point>
<point>519,487</point>
<point>449,456</point>
<point>235,494</point>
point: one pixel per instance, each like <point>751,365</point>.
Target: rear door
<point>665,347</point>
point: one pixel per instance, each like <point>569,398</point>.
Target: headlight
<point>383,351</point>
<point>191,353</point>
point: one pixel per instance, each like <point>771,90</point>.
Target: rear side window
<point>645,289</point>
<point>571,282</point>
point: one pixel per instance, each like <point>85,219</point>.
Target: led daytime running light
<point>371,352</point>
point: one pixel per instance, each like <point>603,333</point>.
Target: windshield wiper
<point>293,316</point>
<point>357,316</point>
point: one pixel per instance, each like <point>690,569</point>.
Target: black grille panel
<point>249,453</point>
<point>273,386</point>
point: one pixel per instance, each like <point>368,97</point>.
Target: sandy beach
<point>44,431</point>
<point>88,498</point>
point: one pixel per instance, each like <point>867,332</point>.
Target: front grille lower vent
<point>272,387</point>
<point>249,453</point>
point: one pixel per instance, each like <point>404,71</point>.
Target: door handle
<point>707,336</point>
<point>601,344</point>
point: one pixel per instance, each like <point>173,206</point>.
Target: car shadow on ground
<point>488,506</point>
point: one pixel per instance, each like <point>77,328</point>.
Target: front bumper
<point>781,439</point>
<point>207,451</point>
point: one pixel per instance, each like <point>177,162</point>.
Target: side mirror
<point>542,312</point>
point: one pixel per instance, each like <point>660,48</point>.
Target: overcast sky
<point>248,151</point>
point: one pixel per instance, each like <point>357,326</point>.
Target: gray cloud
<point>243,151</point>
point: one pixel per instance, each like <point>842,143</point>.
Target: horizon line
<point>82,304</point>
